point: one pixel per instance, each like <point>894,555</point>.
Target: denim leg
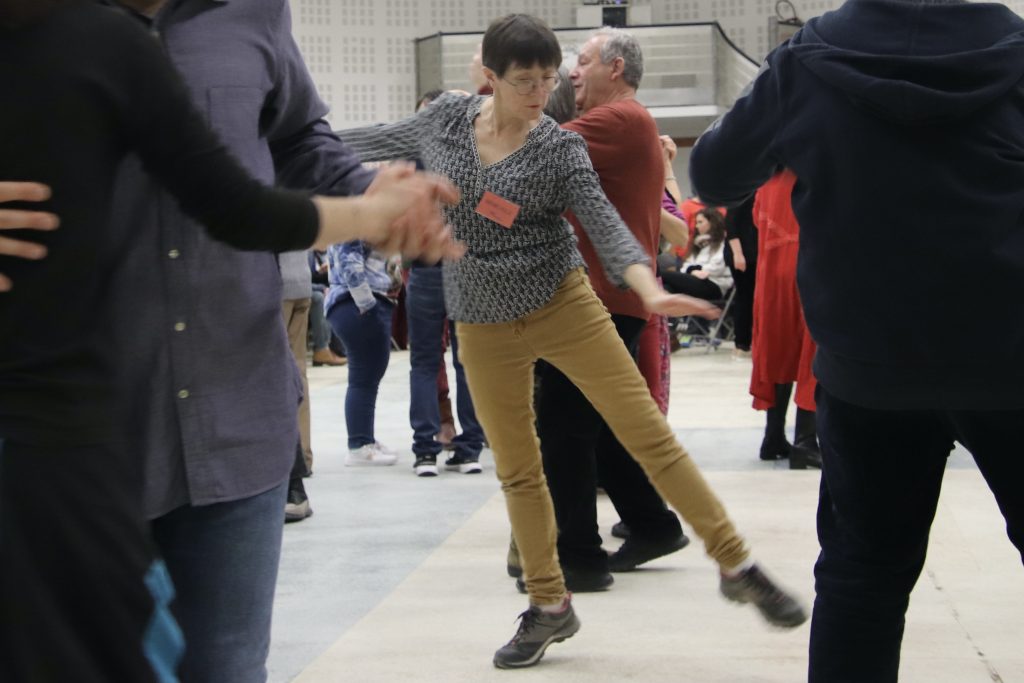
<point>223,559</point>
<point>425,312</point>
<point>318,327</point>
<point>367,339</point>
<point>471,441</point>
<point>879,490</point>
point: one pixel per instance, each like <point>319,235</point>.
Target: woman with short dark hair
<point>520,294</point>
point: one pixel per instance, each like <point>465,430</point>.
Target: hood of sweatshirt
<point>916,62</point>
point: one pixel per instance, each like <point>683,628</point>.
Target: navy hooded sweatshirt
<point>905,125</point>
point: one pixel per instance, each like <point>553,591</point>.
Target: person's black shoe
<point>297,506</point>
<point>801,458</point>
<point>425,466</point>
<point>578,582</point>
<point>636,551</point>
<point>620,530</point>
<point>463,464</point>
<point>537,630</point>
<point>774,449</point>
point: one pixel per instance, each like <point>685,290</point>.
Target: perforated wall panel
<point>360,52</point>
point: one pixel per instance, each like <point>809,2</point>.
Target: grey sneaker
<point>777,606</point>
<point>537,630</point>
<point>296,507</point>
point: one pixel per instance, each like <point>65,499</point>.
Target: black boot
<point>805,452</point>
<point>774,445</point>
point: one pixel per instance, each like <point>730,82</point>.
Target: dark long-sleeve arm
<point>735,156</point>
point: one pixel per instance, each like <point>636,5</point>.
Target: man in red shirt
<point>578,447</point>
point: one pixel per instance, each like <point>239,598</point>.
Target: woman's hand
<point>668,148</point>
<point>656,300</point>
<point>678,305</point>
<point>399,214</point>
<point>13,219</point>
<point>411,204</point>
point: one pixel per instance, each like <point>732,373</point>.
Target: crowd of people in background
<point>553,253</point>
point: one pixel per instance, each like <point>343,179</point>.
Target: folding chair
<point>708,331</point>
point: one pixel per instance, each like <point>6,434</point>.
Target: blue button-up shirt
<point>213,382</point>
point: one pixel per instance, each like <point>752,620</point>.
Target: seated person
<point>326,345</point>
<point>704,273</point>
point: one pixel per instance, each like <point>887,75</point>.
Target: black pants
<point>579,450</point>
<point>82,595</point>
<point>684,283</point>
<point>879,491</point>
<point>743,305</point>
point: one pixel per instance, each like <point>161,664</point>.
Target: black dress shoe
<point>579,582</point>
<point>775,450</point>
<point>636,551</point>
<point>801,458</point>
<point>620,530</point>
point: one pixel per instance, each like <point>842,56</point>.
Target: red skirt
<point>782,348</point>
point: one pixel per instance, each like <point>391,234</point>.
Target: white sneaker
<point>381,448</point>
<point>369,456</point>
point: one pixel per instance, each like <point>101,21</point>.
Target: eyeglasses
<point>526,86</point>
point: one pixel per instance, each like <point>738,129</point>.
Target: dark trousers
<point>743,305</point>
<point>367,339</point>
<point>579,450</point>
<point>691,285</point>
<point>83,595</point>
<point>879,490</point>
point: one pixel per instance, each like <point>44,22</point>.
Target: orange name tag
<point>501,211</point>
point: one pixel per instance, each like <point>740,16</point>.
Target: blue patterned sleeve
<point>348,270</point>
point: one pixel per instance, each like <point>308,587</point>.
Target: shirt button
<point>173,253</point>
<point>183,393</point>
<point>179,327</point>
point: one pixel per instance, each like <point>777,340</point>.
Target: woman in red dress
<point>782,346</point>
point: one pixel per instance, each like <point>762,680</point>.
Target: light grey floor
<point>397,578</point>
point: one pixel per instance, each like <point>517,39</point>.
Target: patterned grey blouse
<point>507,273</point>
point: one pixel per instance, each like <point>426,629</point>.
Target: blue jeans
<point>426,315</point>
<point>879,490</point>
<point>367,340</point>
<point>223,559</point>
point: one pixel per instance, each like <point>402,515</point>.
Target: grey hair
<point>561,104</point>
<point>619,43</point>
